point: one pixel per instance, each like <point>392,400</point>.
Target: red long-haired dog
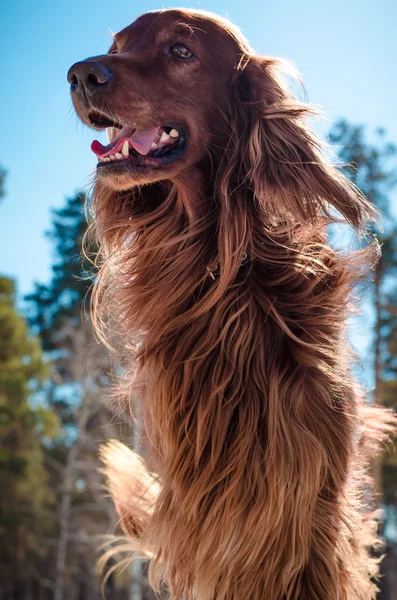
<point>211,203</point>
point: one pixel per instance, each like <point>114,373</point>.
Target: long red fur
<point>230,308</point>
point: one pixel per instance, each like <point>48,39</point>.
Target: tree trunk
<point>378,307</point>
<point>64,524</point>
<point>376,466</point>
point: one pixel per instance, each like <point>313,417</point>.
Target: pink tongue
<point>141,140</point>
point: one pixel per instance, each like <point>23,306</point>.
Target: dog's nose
<point>89,76</point>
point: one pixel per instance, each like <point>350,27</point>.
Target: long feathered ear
<point>283,161</point>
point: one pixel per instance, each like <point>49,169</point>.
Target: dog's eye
<point>180,51</point>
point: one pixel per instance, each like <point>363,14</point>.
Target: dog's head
<point>181,92</point>
<point>161,92</point>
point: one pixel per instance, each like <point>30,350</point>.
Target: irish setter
<point>211,203</point>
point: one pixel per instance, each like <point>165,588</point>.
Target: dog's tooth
<point>154,146</point>
<point>112,157</point>
<point>174,133</point>
<point>118,155</point>
<point>111,133</point>
<point>126,148</point>
<point>164,137</point>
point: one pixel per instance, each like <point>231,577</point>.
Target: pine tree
<point>59,313</point>
<point>24,425</point>
<point>2,180</point>
<point>371,166</point>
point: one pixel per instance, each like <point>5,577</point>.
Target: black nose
<point>89,76</point>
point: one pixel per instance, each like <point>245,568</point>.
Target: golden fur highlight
<point>243,378</point>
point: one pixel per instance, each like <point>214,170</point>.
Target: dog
<point>211,203</point>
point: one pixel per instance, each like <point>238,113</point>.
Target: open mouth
<point>129,146</point>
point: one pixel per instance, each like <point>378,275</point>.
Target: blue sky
<point>346,51</point>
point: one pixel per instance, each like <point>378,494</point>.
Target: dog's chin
<point>125,175</point>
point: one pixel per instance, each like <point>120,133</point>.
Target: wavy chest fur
<point>249,405</point>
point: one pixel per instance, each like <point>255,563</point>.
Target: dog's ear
<point>283,161</point>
